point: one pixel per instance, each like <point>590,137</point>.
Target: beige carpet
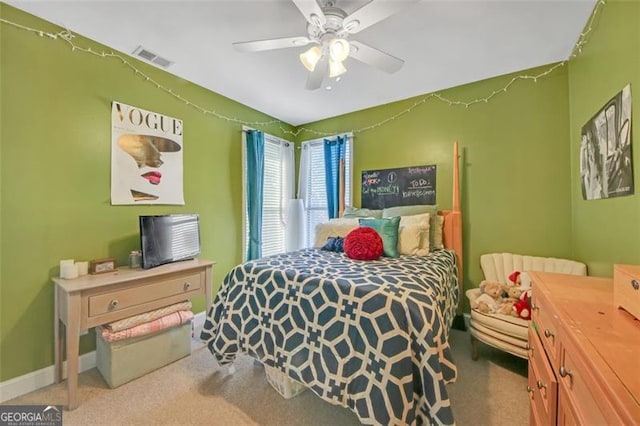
<point>194,390</point>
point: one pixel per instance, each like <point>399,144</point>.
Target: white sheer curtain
<point>312,184</point>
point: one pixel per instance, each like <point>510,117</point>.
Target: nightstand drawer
<point>144,293</point>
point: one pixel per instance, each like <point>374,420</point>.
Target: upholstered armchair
<point>507,332</point>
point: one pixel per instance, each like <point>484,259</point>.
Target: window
<point>312,183</point>
<point>277,190</point>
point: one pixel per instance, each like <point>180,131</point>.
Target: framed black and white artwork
<point>606,169</point>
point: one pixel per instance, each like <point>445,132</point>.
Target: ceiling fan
<point>328,28</point>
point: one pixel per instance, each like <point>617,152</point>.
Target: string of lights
<point>67,36</point>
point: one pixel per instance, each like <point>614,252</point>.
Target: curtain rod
<point>347,134</point>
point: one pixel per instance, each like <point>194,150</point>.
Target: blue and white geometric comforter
<point>371,336</point>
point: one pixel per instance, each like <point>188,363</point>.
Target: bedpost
<point>456,217</point>
<point>456,178</point>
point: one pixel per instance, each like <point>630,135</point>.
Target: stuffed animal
<point>520,279</point>
<point>506,307</point>
<point>510,296</point>
<point>515,278</point>
<point>521,308</point>
<point>512,293</point>
<point>490,297</point>
<point>525,281</point>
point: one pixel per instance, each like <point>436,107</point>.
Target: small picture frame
<point>101,266</point>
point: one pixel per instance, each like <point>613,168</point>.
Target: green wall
<point>606,231</point>
<point>519,165</point>
<point>55,161</point>
<point>515,183</point>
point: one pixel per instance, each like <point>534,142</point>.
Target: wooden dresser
<point>584,354</point>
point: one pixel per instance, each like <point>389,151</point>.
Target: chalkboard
<point>404,186</point>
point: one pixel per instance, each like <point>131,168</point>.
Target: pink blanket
<point>173,319</point>
<point>147,316</point>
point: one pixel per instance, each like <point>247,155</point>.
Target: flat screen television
<point>169,238</point>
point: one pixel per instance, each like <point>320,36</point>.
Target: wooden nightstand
<point>93,300</point>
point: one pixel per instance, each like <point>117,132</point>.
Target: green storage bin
<point>124,360</point>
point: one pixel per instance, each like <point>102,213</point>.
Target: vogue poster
<point>146,157</point>
<point>606,169</point>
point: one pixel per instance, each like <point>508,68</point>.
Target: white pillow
<point>409,239</point>
<point>339,228</point>
<point>413,235</point>
<point>437,233</point>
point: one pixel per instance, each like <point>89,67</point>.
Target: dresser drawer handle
<point>535,307</point>
<point>635,284</point>
<point>564,372</point>
<point>529,389</point>
<point>113,304</point>
<point>187,286</point>
<point>548,333</point>
<point>540,384</point>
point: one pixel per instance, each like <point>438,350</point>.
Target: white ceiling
<point>444,44</point>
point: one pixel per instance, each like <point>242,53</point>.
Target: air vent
<point>149,56</point>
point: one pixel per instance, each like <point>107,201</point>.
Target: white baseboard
<point>35,380</point>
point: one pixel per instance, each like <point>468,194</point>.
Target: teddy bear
<point>490,297</point>
<point>506,307</point>
<point>510,296</point>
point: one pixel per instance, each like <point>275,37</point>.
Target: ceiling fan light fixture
<point>311,57</point>
<point>339,49</point>
<point>336,69</point>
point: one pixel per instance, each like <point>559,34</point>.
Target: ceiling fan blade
<point>274,43</point>
<point>374,57</point>
<point>373,12</point>
<point>311,11</point>
<point>314,80</point>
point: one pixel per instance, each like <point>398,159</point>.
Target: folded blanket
<point>173,319</point>
<point>147,316</point>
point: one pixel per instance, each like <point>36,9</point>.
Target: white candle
<point>63,263</point>
<point>83,268</point>
<point>68,271</point>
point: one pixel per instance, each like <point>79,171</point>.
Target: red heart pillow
<point>363,243</point>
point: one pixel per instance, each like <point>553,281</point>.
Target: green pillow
<point>388,231</point>
<point>355,212</point>
<point>417,209</point>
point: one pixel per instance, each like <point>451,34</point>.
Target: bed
<point>371,336</point>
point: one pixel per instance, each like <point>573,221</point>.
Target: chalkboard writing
<point>405,186</point>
